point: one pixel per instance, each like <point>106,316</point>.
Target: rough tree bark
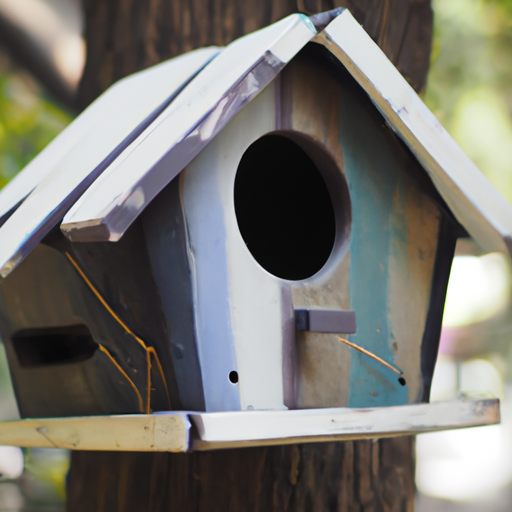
<point>369,476</point>
<point>124,36</point>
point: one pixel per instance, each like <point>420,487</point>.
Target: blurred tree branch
<point>43,36</point>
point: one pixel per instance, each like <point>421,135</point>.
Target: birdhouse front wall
<point>382,265</point>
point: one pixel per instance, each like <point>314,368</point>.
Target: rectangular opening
<point>53,345</point>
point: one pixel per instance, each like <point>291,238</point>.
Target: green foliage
<point>45,474</point>
<point>469,82</point>
<point>504,5</point>
<point>28,120</point>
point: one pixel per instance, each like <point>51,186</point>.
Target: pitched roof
<point>117,185</point>
<point>209,94</point>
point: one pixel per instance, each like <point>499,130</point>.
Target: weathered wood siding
<point>387,275</point>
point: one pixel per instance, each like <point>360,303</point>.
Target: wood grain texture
<point>323,363</point>
<point>393,247</point>
<point>53,294</point>
<point>395,226</point>
<point>184,432</point>
<point>141,432</point>
<point>124,36</point>
<point>367,475</point>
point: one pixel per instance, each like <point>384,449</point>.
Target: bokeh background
<point>470,90</point>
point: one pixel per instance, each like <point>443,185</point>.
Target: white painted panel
<point>236,428</point>
<point>255,306</point>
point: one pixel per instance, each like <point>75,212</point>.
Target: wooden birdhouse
<point>264,227</point>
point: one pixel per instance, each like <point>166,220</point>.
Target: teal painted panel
<point>377,183</point>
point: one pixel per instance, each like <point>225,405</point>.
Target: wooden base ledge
<point>183,431</point>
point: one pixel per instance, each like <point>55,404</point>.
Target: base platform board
<point>183,431</point>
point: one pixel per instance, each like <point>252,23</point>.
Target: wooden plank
<point>393,245</point>
<point>308,104</point>
<point>391,251</point>
<point>167,433</point>
<point>263,428</point>
<point>171,432</point>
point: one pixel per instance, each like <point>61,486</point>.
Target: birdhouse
<point>269,226</point>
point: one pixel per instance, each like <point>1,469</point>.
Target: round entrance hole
<point>284,209</point>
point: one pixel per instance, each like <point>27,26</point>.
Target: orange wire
<point>161,370</point>
<point>102,300</point>
<point>139,398</point>
<point>370,354</point>
<point>149,350</point>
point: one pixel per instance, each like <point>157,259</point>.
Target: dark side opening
<point>54,345</point>
<point>283,208</point>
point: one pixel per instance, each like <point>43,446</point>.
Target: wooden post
<point>124,36</point>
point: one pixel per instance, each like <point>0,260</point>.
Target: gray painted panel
<point>165,231</point>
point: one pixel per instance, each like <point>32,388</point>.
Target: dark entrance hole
<point>54,345</point>
<point>283,208</point>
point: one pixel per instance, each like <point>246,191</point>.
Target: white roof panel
<point>475,203</point>
<point>104,124</point>
<point>69,164</point>
<point>202,109</point>
<point>151,154</point>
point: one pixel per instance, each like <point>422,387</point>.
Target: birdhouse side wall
<point>46,294</point>
<point>72,346</point>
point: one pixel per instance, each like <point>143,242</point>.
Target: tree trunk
<point>349,476</point>
<point>124,36</point>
